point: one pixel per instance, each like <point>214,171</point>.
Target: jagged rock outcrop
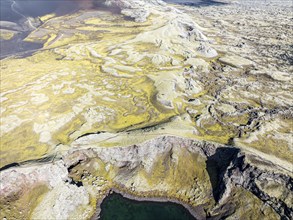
<point>97,106</point>
<point>207,177</point>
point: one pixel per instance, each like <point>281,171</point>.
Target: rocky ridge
<point>220,174</point>
<point>98,108</point>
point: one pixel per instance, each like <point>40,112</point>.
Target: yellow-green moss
<point>6,35</point>
<point>278,148</point>
<point>250,207</point>
<point>21,144</point>
<point>239,119</point>
<point>22,205</point>
<point>213,131</point>
<point>47,17</point>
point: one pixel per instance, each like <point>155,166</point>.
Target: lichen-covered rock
<point>64,202</point>
<point>98,87</point>
<point>21,189</point>
<point>208,178</point>
<point>94,109</point>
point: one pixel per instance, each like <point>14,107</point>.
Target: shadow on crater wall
<point>217,165</point>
